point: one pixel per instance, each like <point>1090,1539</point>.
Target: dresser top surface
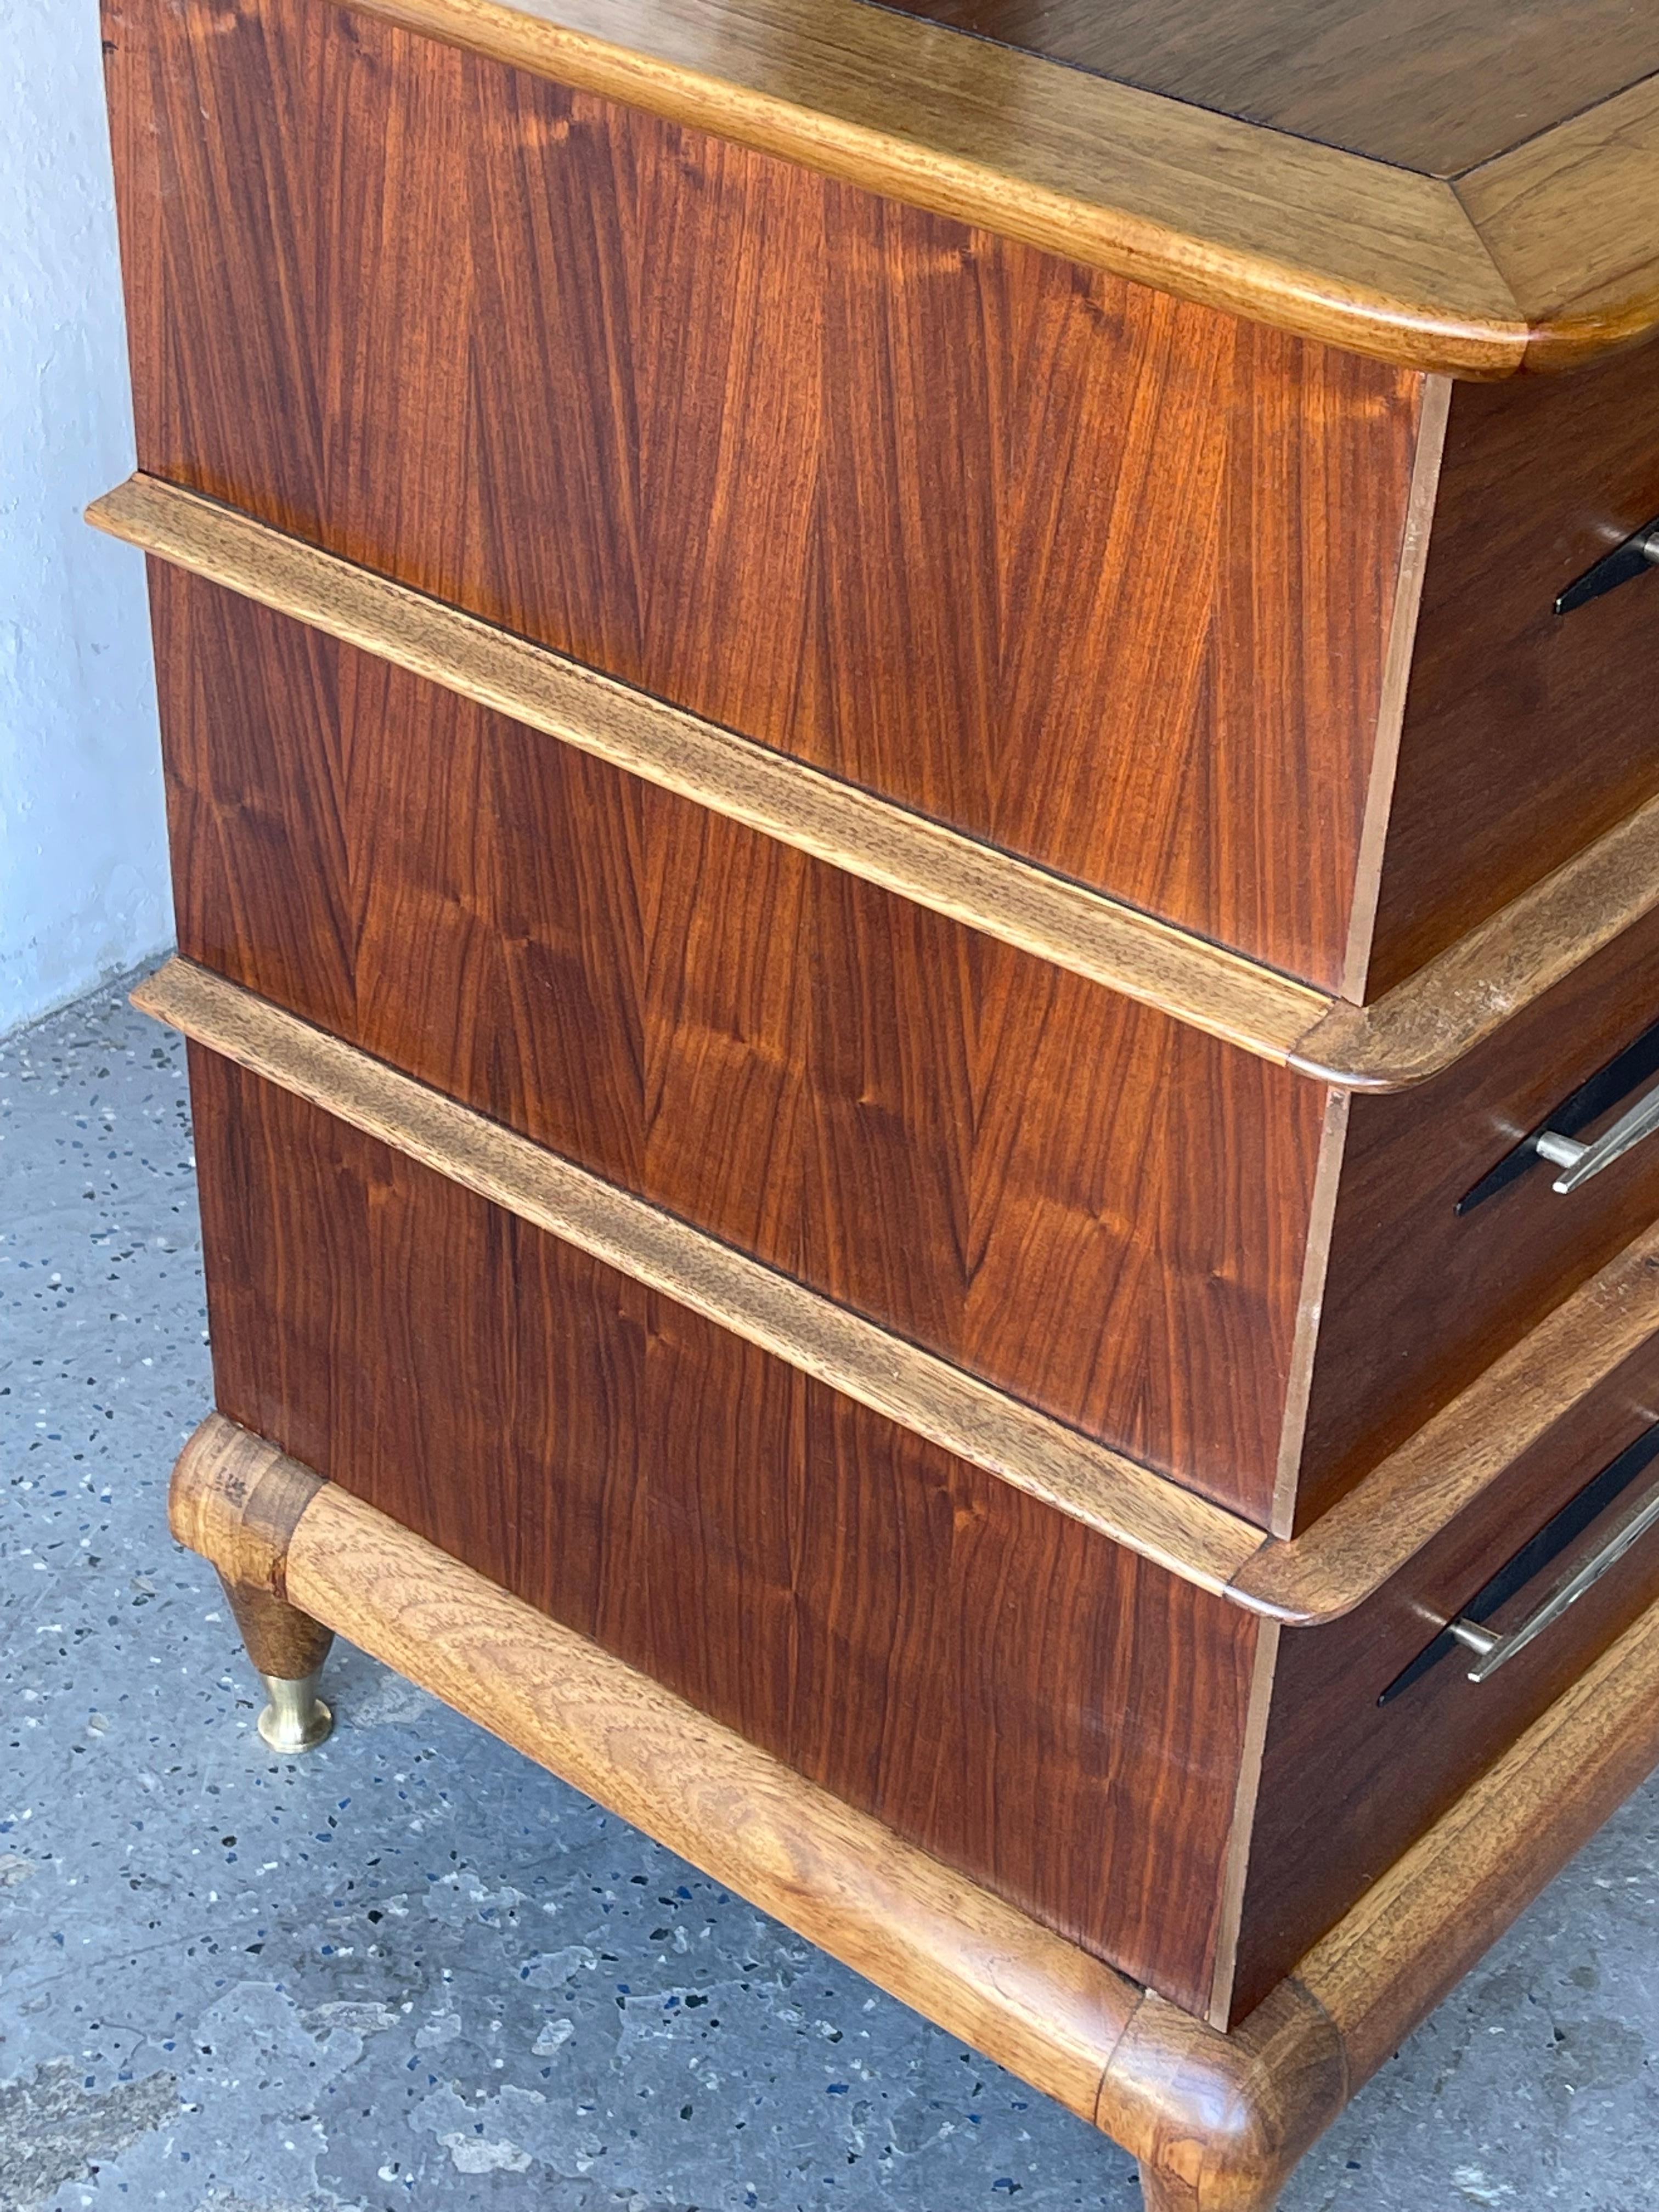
<point>1436,86</point>
<point>1463,186</point>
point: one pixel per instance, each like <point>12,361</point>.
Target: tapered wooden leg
<point>237,1500</point>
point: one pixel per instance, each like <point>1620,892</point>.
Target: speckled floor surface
<point>412,1969</point>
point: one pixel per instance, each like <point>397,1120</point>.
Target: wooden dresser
<point>916,831</point>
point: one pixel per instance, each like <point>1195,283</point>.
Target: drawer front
<point>1419,1296</point>
<point>1376,1727</point>
<point>1080,1199</point>
<point>1056,1718</point>
<point>1100,576</point>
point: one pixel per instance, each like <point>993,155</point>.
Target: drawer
<point>1376,1727</point>
<point>1118,1750</point>
<point>1188,1253</point>
<point>1113,580</point>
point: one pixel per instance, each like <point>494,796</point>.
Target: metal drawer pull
<point>1491,1649</point>
<point>1578,1163</point>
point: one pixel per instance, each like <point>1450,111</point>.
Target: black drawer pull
<point>1560,1127</point>
<point>1558,1536</point>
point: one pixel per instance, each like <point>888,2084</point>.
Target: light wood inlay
<point>1321,242</point>
<point>1115,1496</point>
<point>1095,937</point>
<point>1218,2120</point>
<point>1418,1029</point>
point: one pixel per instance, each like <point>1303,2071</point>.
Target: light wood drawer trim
<point>1130,1504</point>
<point>991,891</point>
<point>1420,1028</point>
<point>1151,2076</point>
<point>1348,1554</point>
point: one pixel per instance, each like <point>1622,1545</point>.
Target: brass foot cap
<point>296,1719</point>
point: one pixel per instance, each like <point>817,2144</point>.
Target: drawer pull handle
<point>1579,1161</point>
<point>1492,1649</point>
<point>1636,553</point>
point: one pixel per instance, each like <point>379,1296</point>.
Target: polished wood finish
<point>1368,256</point>
<point>1346,1785</point>
<point>1417,1300</point>
<point>1086,1203</point>
<point>1217,2120</point>
<point>1459,1461</point>
<point>1092,1206</point>
<point>1130,663</point>
<point>1001,1686</point>
<point>238,1500</point>
<point>1029,908</point>
<point>1425,1023</point>
<point>1114,1495</point>
<point>1460,1458</point>
<point>1524,733</point>
<point>1439,86</point>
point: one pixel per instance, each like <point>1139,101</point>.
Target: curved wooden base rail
<point>1217,2121</point>
<point>1347,1555</point>
<point>1418,1029</point>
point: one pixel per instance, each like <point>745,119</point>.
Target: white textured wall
<point>83,888</point>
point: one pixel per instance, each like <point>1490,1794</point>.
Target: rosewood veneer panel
<point>993,1680</point>
<point>1077,1198</point>
<point>1099,575</point>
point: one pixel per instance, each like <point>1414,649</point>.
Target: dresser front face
<point>1100,576</point>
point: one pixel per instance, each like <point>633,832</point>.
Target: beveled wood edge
<point>1412,1497</point>
<point>1220,2118</point>
<point>1342,1559</point>
<point>1026,906</point>
<point>1421,1027</point>
<point>1319,241</point>
<point>1107,1492</point>
<point>1572,221</point>
<point>1458,1001</point>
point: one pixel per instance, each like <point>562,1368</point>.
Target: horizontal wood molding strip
<point>1064,922</point>
<point>1454,1002</point>
<point>978,1966</point>
<point>1177,2094</point>
<point>1130,1504</point>
<point>1571,219</point>
<point>1317,239</point>
<point>1404,1503</point>
<point>1335,1565</point>
<point>1421,1027</point>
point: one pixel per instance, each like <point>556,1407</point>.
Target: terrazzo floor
<point>411,1970</point>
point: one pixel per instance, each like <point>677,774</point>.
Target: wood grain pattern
<point>1359,253</point>
<point>1571,222</point>
<point>1524,731</point>
<point>990,890</point>
<point>1089,574</point>
<point>1436,86</point>
<point>1217,2120</point>
<point>1094,1208</point>
<point>998,1684</point>
<point>1462,1456</point>
<point>1442,1009</point>
<point>1345,1784</point>
<point>1008,1986</point>
<point>1388,1356</point>
<point>1106,1492</point>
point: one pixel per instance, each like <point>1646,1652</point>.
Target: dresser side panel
<point>1102,577</point>
<point>1057,1719</point>
<point>1078,1198</point>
